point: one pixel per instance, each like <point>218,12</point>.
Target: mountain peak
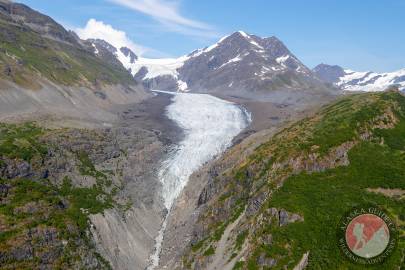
<point>129,54</point>
<point>101,43</point>
<point>44,25</point>
<point>326,66</point>
<point>242,33</point>
<point>329,73</point>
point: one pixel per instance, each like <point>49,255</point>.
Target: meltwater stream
<point>209,124</point>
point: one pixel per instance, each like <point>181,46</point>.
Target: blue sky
<point>360,35</point>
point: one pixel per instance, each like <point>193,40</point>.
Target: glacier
<point>209,125</point>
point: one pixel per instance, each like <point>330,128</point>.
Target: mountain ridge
<point>239,62</point>
<point>350,80</point>
<point>47,71</point>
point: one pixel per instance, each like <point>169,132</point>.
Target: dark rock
<point>129,53</point>
<point>283,218</point>
<point>254,204</point>
<point>8,71</point>
<point>45,174</point>
<point>286,218</point>
<point>141,74</point>
<point>100,95</point>
<point>206,194</point>
<point>22,253</point>
<point>17,169</point>
<point>62,204</point>
<point>264,261</point>
<point>4,190</point>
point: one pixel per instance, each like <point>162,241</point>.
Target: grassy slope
<point>28,54</point>
<point>322,198</point>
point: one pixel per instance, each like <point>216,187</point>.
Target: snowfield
<point>371,81</point>
<point>209,124</point>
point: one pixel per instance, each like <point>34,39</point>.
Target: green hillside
<point>34,45</point>
<point>350,154</point>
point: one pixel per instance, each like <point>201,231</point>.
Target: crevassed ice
<point>209,125</point>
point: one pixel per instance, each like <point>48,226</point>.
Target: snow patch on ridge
<point>95,49</point>
<point>281,60</point>
<point>371,81</point>
<point>183,87</point>
<point>156,67</point>
<point>233,60</point>
<point>250,39</point>
<point>207,49</point>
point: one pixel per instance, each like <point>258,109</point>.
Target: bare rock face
<point>43,24</point>
<point>129,53</point>
<point>303,263</point>
<point>265,261</point>
<point>164,82</point>
<point>14,168</point>
<point>255,204</point>
<point>327,73</point>
<point>107,52</point>
<point>243,61</point>
<point>286,218</point>
<point>126,239</point>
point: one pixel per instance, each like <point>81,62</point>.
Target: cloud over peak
<point>99,30</point>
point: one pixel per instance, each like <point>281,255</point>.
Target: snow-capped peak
<point>234,56</point>
<point>244,34</point>
<point>351,80</point>
<point>208,49</point>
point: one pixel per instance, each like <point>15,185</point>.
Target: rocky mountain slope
<point>46,69</point>
<point>360,81</point>
<point>78,179</point>
<point>82,199</point>
<point>275,204</point>
<point>239,64</point>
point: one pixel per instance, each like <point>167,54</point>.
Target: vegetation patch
<point>210,251</point>
<point>21,141</point>
<point>240,239</point>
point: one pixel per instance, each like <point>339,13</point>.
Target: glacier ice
<point>209,124</point>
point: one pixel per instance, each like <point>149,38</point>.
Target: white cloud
<point>99,30</point>
<point>168,14</point>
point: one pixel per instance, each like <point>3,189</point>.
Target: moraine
<point>209,125</point>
